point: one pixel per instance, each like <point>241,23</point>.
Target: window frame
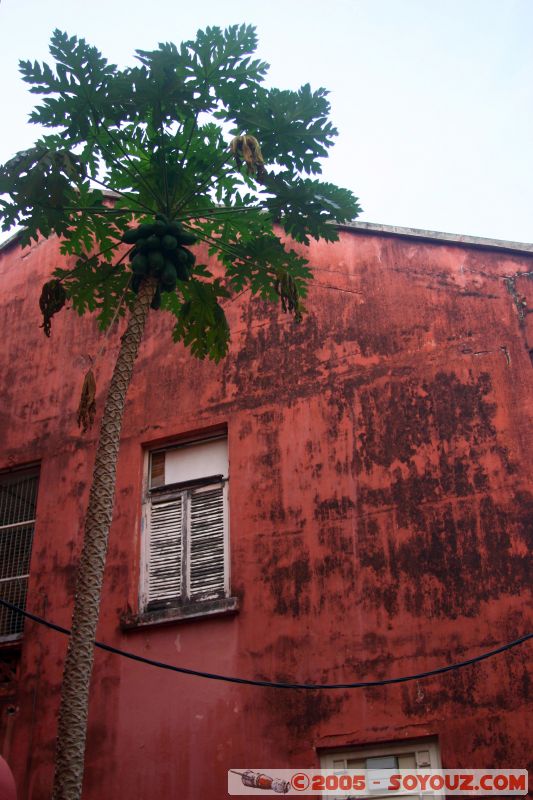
<point>183,490</point>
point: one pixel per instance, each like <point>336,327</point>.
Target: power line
<point>273,684</point>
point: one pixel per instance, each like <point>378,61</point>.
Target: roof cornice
<point>436,237</point>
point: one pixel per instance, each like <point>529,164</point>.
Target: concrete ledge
<point>184,612</point>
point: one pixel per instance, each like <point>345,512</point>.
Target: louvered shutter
<point>165,559</point>
<point>206,543</point>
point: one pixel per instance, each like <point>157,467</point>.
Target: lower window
<point>186,553</point>
<point>422,753</point>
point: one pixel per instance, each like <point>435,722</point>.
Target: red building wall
<point>381,514</point>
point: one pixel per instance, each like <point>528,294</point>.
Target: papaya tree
<point>138,165</point>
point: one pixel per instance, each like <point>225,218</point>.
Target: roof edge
<point>418,234</point>
<point>10,240</point>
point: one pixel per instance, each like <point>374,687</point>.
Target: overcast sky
<point>433,99</point>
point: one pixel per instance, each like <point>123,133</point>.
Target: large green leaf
<point>154,138</point>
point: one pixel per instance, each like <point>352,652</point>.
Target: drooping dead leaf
<point>287,290</point>
<point>87,406</point>
<point>246,149</point>
<point>53,298</point>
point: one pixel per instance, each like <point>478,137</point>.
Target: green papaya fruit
<point>146,229</point>
<point>182,272</point>
<point>177,256</point>
<point>168,277</point>
<point>139,264</point>
<point>170,269</point>
<point>156,262</point>
<point>183,256</point>
<point>160,227</point>
<point>152,243</point>
<point>175,229</point>
<point>191,258</point>
<point>186,237</point>
<point>169,242</point>
<point>156,302</point>
<point>131,236</point>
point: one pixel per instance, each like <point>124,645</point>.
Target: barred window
<point>18,499</point>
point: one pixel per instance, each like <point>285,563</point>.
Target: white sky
<point>433,99</point>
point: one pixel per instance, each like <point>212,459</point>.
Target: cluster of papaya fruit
<point>160,249</point>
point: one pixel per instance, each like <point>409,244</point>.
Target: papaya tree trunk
<point>73,711</point>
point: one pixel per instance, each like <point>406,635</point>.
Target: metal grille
<point>18,496</point>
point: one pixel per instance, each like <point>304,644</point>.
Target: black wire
<point>273,684</point>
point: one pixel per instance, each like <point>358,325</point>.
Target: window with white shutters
<point>18,499</point>
<point>186,525</point>
<point>412,755</point>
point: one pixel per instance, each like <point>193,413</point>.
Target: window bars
<point>18,498</point>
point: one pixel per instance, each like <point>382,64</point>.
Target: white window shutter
<point>206,543</point>
<point>164,566</point>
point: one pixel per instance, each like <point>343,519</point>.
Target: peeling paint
<point>519,300</point>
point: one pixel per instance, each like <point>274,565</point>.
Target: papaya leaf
<point>153,140</point>
<point>200,319</point>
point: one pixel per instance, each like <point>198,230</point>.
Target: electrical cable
<point>272,684</point>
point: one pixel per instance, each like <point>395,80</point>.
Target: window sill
<point>225,606</point>
<point>10,640</point>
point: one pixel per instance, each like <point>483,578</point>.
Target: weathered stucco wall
<point>381,495</point>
